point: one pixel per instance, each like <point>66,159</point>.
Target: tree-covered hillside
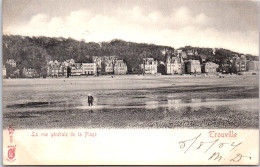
<point>35,52</point>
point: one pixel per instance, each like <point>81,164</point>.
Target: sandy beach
<point>132,102</point>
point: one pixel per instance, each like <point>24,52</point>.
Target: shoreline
<point>205,75</point>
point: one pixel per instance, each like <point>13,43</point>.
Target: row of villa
<point>100,65</point>
<point>176,63</point>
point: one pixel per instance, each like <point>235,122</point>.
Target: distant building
<point>120,67</point>
<point>62,69</point>
<point>209,67</point>
<point>69,62</point>
<point>243,63</point>
<point>225,67</point>
<point>149,66</point>
<point>108,66</point>
<point>29,72</point>
<point>76,70</point>
<point>239,64</point>
<point>55,68</point>
<point>78,65</point>
<point>55,71</point>
<point>11,62</point>
<point>3,71</point>
<point>113,57</point>
<point>174,65</point>
<point>97,60</point>
<point>105,64</point>
<point>89,68</point>
<point>193,66</point>
<point>253,65</point>
<point>161,68</point>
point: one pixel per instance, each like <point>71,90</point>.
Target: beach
<point>132,101</point>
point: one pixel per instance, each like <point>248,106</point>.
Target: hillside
<point>35,52</point>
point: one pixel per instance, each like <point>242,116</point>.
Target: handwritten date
<point>211,145</point>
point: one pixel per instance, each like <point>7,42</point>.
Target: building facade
<point>239,64</point>
<point>89,69</point>
<point>55,69</point>
<point>106,64</point>
<point>149,66</point>
<point>97,60</point>
<point>209,67</point>
<point>3,71</point>
<point>253,65</point>
<point>120,67</point>
<point>29,72</point>
<point>193,66</point>
<point>11,62</point>
<point>77,70</point>
<point>175,65</point>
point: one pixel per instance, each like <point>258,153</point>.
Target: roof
<point>119,61</point>
<point>149,59</point>
<point>210,63</point>
<point>253,62</point>
<point>194,61</point>
<point>87,63</point>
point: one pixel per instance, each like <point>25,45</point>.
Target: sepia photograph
<point>130,82</point>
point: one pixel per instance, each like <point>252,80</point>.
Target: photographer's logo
<point>11,153</point>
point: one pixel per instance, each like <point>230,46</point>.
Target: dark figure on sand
<point>90,100</point>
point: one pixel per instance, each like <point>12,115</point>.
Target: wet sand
<point>132,102</point>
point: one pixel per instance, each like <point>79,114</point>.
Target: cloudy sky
<point>227,24</point>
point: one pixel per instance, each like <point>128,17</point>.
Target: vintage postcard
<point>130,82</point>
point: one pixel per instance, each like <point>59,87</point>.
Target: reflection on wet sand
<point>171,104</point>
<point>173,113</point>
<point>151,104</point>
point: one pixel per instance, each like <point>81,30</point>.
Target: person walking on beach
<point>90,100</point>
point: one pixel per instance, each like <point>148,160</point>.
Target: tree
<point>161,69</point>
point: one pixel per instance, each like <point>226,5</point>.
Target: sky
<point>225,24</point>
